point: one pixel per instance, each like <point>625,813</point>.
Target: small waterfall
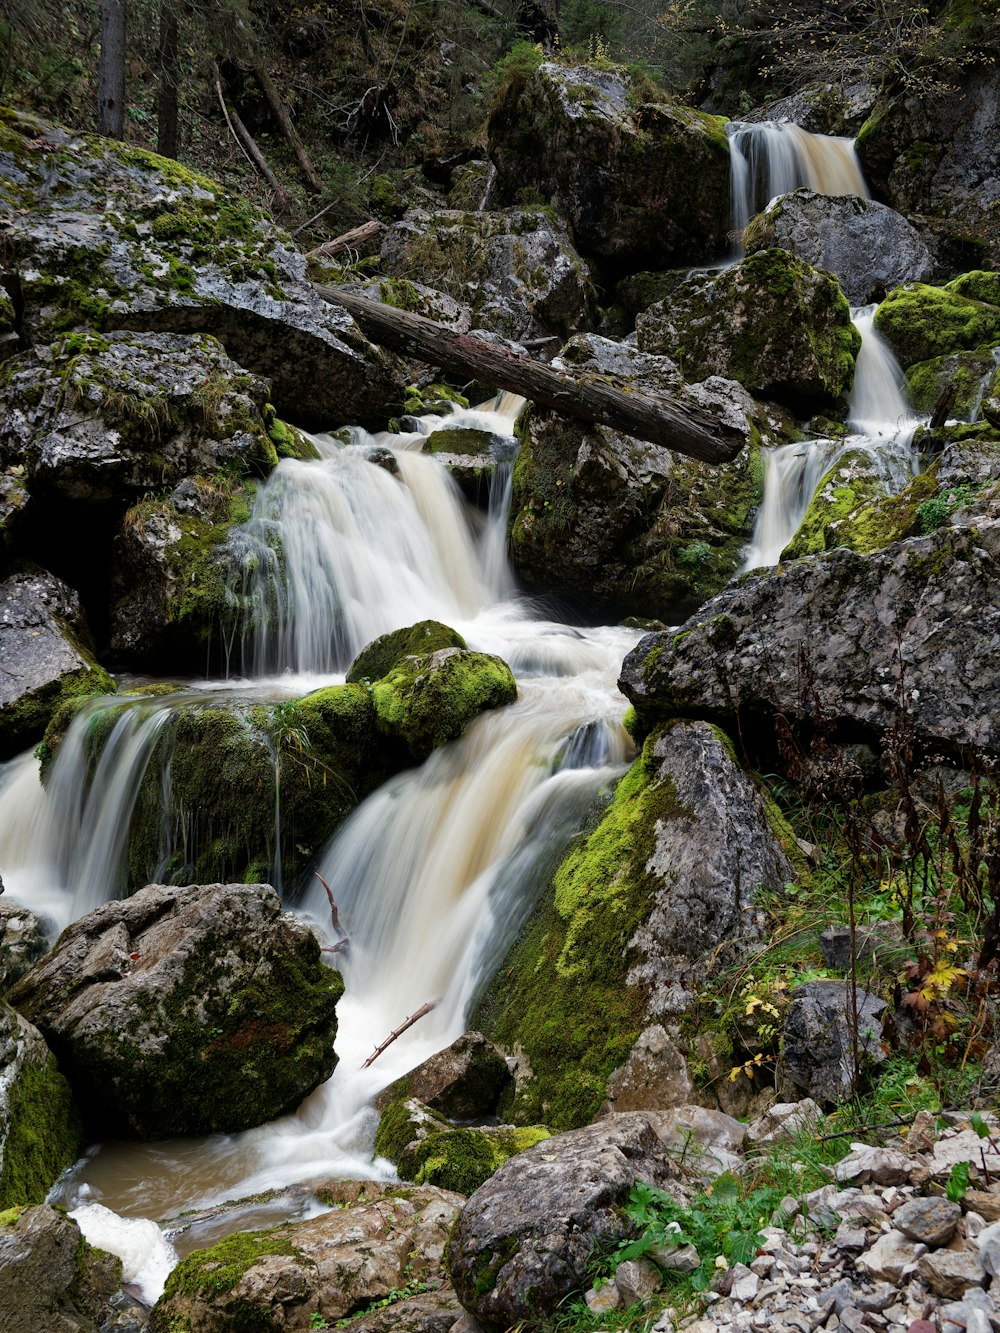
<point>984,384</point>
<point>882,426</point>
<point>771,158</point>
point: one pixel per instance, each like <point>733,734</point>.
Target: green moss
<point>212,1274</point>
<point>396,1129</point>
<point>561,994</point>
<point>379,657</point>
<point>428,700</point>
<point>288,442</point>
<point>847,485</point>
<point>45,1135</point>
<point>979,285</point>
<point>457,441</point>
<point>25,719</point>
<point>9,1216</point>
<point>965,371</point>
<point>920,322</point>
<point>463,1159</point>
<point>490,1262</point>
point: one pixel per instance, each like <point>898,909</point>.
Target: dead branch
<point>334,915</point>
<point>409,1022</point>
<point>246,142</point>
<point>356,236</point>
<point>288,129</point>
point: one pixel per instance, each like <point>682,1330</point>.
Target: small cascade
<point>772,158</point>
<point>984,384</point>
<point>882,427</point>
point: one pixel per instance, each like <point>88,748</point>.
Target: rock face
<point>623,523</point>
<point>641,182</point>
<point>187,1010</point>
<point>374,1242</point>
<point>515,271</point>
<point>851,638</point>
<point>974,375</point>
<point>50,1278</point>
<point>462,1082</point>
<point>817,1047</point>
<point>40,1129</point>
<point>778,326</point>
<point>637,912</point>
<point>109,236</point>
<point>868,247</point>
<point>524,1239</point>
<point>44,660</point>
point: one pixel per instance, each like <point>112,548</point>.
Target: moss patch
<point>920,322</point>
<point>463,1159</point>
<point>379,657</point>
<point>44,1136</point>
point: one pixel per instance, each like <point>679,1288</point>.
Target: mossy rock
<point>920,322</point>
<point>463,1159</point>
<point>979,285</point>
<point>379,657</point>
<point>477,443</point>
<point>970,373</point>
<point>426,701</point>
<point>852,484</point>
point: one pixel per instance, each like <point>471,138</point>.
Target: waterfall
<point>882,427</point>
<point>771,158</point>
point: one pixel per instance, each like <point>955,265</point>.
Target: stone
<point>636,1280</point>
<point>186,1010</point>
<point>603,1298</point>
<point>949,1273</point>
<point>50,1278</point>
<point>24,938</point>
<point>707,1141</point>
<point>884,1166</point>
<point>463,1082</point>
<point>932,1221</point>
<point>890,1258</point>
<point>920,321</point>
<point>988,1245</point>
<point>654,1076</point>
<point>782,1120</point>
<point>45,656</point>
<point>817,1051</point>
<point>675,1258</point>
<point>965,1146</point>
<point>985,1202</point>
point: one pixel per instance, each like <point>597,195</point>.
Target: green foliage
<point>935,512</point>
<point>958,1182</point>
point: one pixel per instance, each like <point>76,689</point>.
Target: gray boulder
<point>187,1010</point>
<point>516,271</point>
<point>823,108</point>
<point>13,502</point>
<point>523,1241</point>
<point>40,1128</point>
<point>23,940</point>
<point>780,327</point>
<point>868,247</point>
<point>817,1046</point>
<point>44,657</point>
<point>462,1082</point>
<point>105,235</point>
<point>913,626</point>
<point>640,182</point>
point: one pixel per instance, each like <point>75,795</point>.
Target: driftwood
<point>357,236</point>
<point>658,418</point>
<point>943,406</point>
<point>343,943</point>
<point>408,1023</point>
<point>246,142</point>
<point>288,129</point>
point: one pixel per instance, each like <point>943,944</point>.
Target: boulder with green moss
<point>472,457</point>
<point>45,658</point>
<point>780,327</point>
<point>641,180</point>
<point>855,480</point>
<point>920,322</point>
<point>186,1010</point>
<point>974,377</point>
<point>463,1082</point>
<point>623,524</point>
<point>377,1247</point>
<point>379,657</point>
<point>40,1128</point>
<point>104,235</point>
<point>650,897</point>
<point>13,503</point>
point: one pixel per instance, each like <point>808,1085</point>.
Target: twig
<point>334,915</point>
<point>424,1009</point>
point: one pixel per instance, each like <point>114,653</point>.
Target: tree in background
<point>111,70</point>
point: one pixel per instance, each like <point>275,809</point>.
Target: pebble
<point>931,1221</point>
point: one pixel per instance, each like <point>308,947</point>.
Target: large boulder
<point>817,1040</point>
<point>868,247</point>
<point>51,1279</point>
<point>920,322</point>
<point>973,376</point>
<point>780,327</point>
<point>462,1082</point>
<point>524,1240</point>
<point>106,236</point>
<point>369,1252</point>
<point>40,1129</point>
<point>623,524</point>
<point>45,659</point>
<point>639,912</point>
<point>516,271</point>
<point>186,1010</point>
<point>642,183</point>
<point>915,627</point>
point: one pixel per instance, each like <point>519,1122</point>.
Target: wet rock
<point>463,1082</point>
<point>823,108</point>
<point>522,1242</point>
<point>868,247</point>
<point>326,1268</point>
<point>638,181</point>
<point>50,1278</point>
<point>24,938</point>
<point>44,656</point>
<point>817,1048</point>
<point>898,644</point>
<point>931,1221</point>
<point>379,657</point>
<point>186,1010</point>
<point>778,326</point>
<point>920,322</point>
<point>971,374</point>
<point>654,1076</point>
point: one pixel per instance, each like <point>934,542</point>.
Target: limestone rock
<point>950,1273</point>
<point>462,1082</point>
<point>817,1051</point>
<point>782,1120</point>
<point>868,247</point>
<point>931,1221</point>
<point>24,938</point>
<point>13,504</point>
<point>709,1142</point>
<point>890,1257</point>
<point>44,657</point>
<point>654,1076</point>
<point>640,183</point>
<point>50,1278</point>
<point>186,1010</point>
<point>522,1242</point>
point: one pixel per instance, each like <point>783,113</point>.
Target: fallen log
<point>659,418</point>
<point>288,129</point>
<point>346,240</point>
<point>246,142</point>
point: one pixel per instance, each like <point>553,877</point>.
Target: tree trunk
<point>654,417</point>
<point>288,129</point>
<point>246,142</point>
<point>111,72</point>
<point>166,101</point>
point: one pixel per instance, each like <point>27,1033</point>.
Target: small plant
<point>958,1182</point>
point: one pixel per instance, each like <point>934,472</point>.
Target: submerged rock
<point>44,657</point>
<point>187,1010</point>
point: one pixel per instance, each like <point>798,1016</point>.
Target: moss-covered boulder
<point>462,1159</point>
<point>637,911</point>
<point>854,482</point>
<point>13,502</point>
<point>641,180</point>
<point>379,657</point>
<point>516,271</point>
<point>463,1082</point>
<point>186,1010</point>
<point>780,327</point>
<point>920,322</point>
<point>973,377</point>
<point>45,658</point>
<point>366,1253</point>
<point>425,701</point>
<point>41,1132</point>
